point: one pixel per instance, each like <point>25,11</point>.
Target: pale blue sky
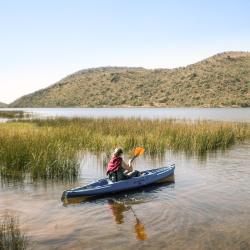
<point>43,41</point>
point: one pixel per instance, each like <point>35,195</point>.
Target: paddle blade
<point>140,231</point>
<point>138,151</point>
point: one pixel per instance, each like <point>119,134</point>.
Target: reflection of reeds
<point>10,235</point>
<point>105,159</point>
<point>47,148</point>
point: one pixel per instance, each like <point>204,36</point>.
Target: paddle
<point>137,152</point>
<point>140,231</point>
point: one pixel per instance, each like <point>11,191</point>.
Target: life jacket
<point>114,164</point>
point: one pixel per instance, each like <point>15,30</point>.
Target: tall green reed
<point>25,148</point>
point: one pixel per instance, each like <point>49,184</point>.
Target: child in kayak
<point>118,169</point>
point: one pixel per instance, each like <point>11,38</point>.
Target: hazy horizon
<point>43,42</point>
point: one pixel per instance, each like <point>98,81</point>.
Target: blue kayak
<point>106,186</point>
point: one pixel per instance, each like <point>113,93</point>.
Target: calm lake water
<point>207,207</point>
<point>217,114</point>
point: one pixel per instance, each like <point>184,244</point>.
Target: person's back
<point>118,169</point>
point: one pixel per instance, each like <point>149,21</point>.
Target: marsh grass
<point>26,148</point>
<point>17,114</point>
<point>11,236</point>
<point>48,148</point>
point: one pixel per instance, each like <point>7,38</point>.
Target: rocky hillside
<point>221,80</point>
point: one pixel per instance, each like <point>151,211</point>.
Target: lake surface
<point>217,114</point>
<point>207,207</point>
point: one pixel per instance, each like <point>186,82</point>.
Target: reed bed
<point>13,114</point>
<point>26,148</point>
<point>48,148</point>
<point>11,236</point>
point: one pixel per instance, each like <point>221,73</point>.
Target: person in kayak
<point>118,169</point>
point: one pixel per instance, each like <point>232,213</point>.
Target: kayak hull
<point>105,186</point>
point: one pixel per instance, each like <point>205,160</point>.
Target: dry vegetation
<point>221,80</point>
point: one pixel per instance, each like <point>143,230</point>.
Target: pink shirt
<point>114,164</point>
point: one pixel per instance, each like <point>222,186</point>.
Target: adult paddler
<point>118,169</point>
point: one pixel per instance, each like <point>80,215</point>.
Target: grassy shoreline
<point>47,148</point>
<point>13,114</point>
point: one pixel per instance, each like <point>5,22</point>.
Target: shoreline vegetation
<point>49,148</point>
<point>13,114</point>
<point>11,236</point>
<point>155,105</point>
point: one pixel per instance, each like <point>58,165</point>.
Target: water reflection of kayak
<point>118,208</point>
<point>105,186</point>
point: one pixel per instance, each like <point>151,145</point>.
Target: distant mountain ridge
<point>220,80</point>
<point>3,105</point>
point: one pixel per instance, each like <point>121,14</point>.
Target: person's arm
<point>126,166</point>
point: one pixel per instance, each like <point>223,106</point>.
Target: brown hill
<point>221,80</point>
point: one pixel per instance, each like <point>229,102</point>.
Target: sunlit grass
<point>48,148</point>
<point>40,152</point>
<point>11,236</point>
